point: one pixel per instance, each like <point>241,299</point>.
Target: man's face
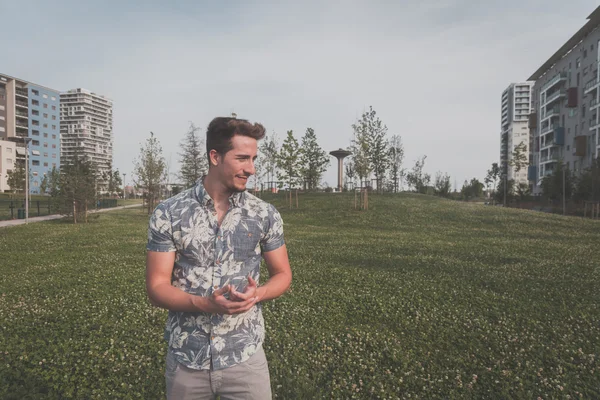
<point>238,163</point>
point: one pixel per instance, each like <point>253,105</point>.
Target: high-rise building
<point>30,110</point>
<point>86,127</point>
<point>565,121</point>
<point>516,107</point>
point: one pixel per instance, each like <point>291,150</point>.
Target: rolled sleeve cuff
<point>272,245</point>
<point>162,248</point>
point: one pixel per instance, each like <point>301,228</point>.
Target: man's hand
<point>249,292</point>
<point>218,304</point>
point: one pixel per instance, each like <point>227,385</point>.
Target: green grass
<point>416,298</point>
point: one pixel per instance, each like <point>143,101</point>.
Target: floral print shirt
<point>209,256</point>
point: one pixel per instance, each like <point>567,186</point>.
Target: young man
<point>204,251</point>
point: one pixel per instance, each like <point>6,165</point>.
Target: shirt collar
<point>236,199</point>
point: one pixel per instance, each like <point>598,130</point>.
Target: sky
<point>433,71</point>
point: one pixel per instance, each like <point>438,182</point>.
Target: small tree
<point>492,177</point>
<point>194,162</point>
<point>472,189</point>
<point>269,150</point>
<point>149,170</point>
<point>350,173</point>
<point>15,178</point>
<point>587,184</point>
<point>552,185</point>
<point>287,161</point>
<point>396,157</point>
<point>313,160</point>
<point>417,178</point>
<point>77,187</point>
<point>519,159</point>
<point>442,184</point>
<point>370,139</point>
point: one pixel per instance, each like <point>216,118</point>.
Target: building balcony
<point>555,96</point>
<point>551,112</point>
<point>21,114</point>
<point>559,78</point>
<point>21,103</point>
<point>21,92</point>
<point>594,104</point>
<point>549,158</point>
<point>591,86</point>
<point>19,124</point>
<point>548,128</point>
<point>594,125</point>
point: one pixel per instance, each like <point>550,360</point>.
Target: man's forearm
<point>174,299</point>
<point>277,285</point>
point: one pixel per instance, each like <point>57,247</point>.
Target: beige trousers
<point>248,380</point>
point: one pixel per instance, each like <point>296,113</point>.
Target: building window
<point>53,155</point>
<point>54,107</point>
<point>53,136</point>
<point>53,98</point>
<point>45,144</point>
<point>53,146</point>
<point>35,112</point>
<point>45,96</point>
<point>9,161</point>
<point>45,154</point>
<point>34,173</point>
<point>35,92</point>
<point>45,134</point>
<point>35,103</point>
<point>45,125</point>
<point>35,122</point>
<point>45,105</point>
<point>46,164</point>
<point>53,165</point>
<point>35,162</point>
<point>9,149</point>
<point>35,142</point>
<point>35,133</point>
<point>54,127</point>
<point>54,117</point>
<point>45,115</point>
<point>578,62</point>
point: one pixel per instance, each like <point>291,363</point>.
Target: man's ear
<point>215,158</point>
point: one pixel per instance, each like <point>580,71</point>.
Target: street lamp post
<point>124,194</point>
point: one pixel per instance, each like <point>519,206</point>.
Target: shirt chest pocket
<point>246,243</point>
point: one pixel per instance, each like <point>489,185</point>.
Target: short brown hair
<point>222,129</point>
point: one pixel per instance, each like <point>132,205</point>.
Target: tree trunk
<point>74,212</point>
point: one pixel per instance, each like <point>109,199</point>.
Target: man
<point>203,264</point>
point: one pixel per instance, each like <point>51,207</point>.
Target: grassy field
<point>417,298</point>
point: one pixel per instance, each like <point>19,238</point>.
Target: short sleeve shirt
<point>208,257</point>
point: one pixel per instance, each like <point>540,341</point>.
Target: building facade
<point>565,122</point>
<point>86,127</point>
<point>33,111</point>
<point>7,162</point>
<point>516,107</point>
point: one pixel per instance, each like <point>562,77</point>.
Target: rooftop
<point>593,22</point>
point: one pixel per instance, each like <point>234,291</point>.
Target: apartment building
<point>7,162</point>
<point>565,122</point>
<point>28,110</point>
<point>515,110</point>
<point>86,128</point>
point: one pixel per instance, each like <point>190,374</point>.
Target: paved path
<point>15,222</point>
